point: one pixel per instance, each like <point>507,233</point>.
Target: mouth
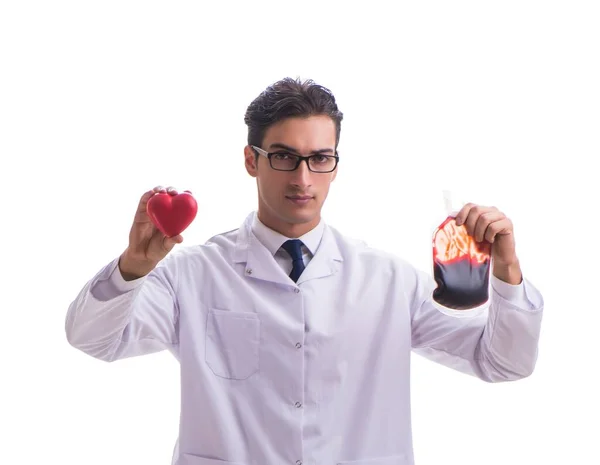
<point>299,199</point>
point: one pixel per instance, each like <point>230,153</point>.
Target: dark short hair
<point>290,98</point>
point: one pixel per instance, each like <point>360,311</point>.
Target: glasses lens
<point>322,163</point>
<point>284,161</point>
<point>288,162</point>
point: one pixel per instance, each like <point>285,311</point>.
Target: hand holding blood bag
<point>461,268</point>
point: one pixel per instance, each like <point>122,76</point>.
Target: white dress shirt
<point>315,372</point>
<point>273,241</point>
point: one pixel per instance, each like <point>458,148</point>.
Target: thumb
<point>170,242</point>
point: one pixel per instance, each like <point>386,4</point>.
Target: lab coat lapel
<point>326,260</point>
<point>260,263</point>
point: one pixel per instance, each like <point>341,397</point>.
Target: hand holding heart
<point>171,212</point>
<point>161,216</point>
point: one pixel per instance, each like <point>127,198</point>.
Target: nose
<point>302,175</point>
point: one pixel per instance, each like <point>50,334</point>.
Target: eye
<point>282,156</point>
<point>321,158</point>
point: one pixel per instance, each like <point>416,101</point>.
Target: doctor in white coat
<point>294,341</point>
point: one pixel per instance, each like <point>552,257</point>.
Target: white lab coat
<point>313,373</point>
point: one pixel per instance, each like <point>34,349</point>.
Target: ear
<point>251,161</point>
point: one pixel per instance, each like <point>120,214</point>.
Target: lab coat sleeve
<point>498,344</point>
<point>112,319</point>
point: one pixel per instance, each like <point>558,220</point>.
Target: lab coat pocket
<point>392,460</point>
<point>232,343</point>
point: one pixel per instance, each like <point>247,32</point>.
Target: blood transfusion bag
<point>461,269</point>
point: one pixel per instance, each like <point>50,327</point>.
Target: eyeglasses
<point>285,161</point>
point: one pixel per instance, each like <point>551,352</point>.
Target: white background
<point>99,101</point>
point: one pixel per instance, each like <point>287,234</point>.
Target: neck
<point>291,230</point>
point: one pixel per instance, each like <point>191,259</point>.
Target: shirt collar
<point>273,241</point>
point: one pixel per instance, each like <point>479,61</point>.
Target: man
<point>294,341</point>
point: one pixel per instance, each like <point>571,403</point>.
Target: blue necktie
<point>294,248</point>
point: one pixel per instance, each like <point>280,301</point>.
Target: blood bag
<point>461,269</point>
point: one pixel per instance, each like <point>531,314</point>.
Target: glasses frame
<point>301,158</point>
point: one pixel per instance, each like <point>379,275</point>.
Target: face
<point>290,202</point>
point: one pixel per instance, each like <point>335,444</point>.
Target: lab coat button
<point>298,345</point>
<point>249,271</point>
<point>298,405</point>
<point>298,462</point>
<point>296,290</point>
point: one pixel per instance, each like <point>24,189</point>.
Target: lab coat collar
<point>261,264</point>
<point>273,240</point>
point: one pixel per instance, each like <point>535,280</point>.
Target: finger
<point>501,227</point>
<point>171,190</point>
<point>162,244</point>
<point>146,196</point>
<point>141,214</point>
<point>157,247</point>
<point>462,215</point>
<point>483,222</point>
<point>474,214</point>
<point>170,242</point>
<point>144,202</point>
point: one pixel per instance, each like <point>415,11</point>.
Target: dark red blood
<point>462,283</point>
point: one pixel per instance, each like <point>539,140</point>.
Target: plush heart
<point>171,214</point>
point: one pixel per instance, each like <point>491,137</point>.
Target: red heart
<point>171,214</point>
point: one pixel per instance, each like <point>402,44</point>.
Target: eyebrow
<point>292,149</point>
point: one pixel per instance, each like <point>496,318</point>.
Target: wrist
<point>508,272</point>
<point>132,268</point>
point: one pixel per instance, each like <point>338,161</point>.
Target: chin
<point>298,216</point>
